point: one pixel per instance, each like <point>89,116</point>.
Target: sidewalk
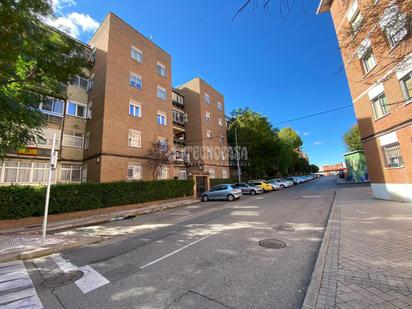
<point>365,260</point>
<point>21,238</point>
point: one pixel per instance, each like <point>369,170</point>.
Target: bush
<point>218,181</point>
<point>27,201</point>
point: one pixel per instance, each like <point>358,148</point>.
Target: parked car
<point>248,188</point>
<point>282,182</point>
<point>295,180</point>
<point>222,192</point>
<point>262,184</point>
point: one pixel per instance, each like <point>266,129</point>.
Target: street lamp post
<point>237,154</point>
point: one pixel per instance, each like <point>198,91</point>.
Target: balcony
<point>179,141</point>
<point>178,100</point>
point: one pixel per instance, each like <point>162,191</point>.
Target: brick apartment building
<point>106,126</point>
<point>376,46</point>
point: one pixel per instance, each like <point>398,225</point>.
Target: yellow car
<point>262,184</point>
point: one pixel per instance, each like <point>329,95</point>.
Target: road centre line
<point>174,252</point>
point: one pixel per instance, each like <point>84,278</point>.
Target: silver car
<point>222,192</point>
<point>247,188</point>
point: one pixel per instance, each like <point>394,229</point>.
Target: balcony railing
<point>179,141</point>
<point>178,104</point>
<point>180,124</point>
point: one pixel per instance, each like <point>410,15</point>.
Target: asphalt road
<point>205,255</point>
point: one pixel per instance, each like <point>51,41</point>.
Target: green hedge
<point>218,181</point>
<point>27,201</point>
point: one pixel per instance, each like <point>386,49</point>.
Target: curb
<point>99,219</point>
<point>312,291</point>
<point>47,251</point>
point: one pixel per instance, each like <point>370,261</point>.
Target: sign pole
<point>53,162</point>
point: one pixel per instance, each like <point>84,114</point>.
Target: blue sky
<point>283,69</point>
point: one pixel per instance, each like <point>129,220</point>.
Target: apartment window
<point>207,117</point>
<point>23,172</point>
<point>394,24</point>
<point>368,61</point>
<point>220,122</point>
<point>219,106</point>
<point>222,139</point>
<point>392,155</point>
<point>161,119</point>
<point>163,173</point>
<point>212,173</point>
<point>224,174</point>
<point>136,54</point>
<point>135,139</point>
<point>161,93</point>
<point>207,98</point>
<point>406,85</point>
<point>380,106</point>
<point>84,173</point>
<point>91,83</point>
<point>80,82</point>
<point>51,105</point>
<point>135,109</point>
<point>209,134</point>
<point>87,140</point>
<point>177,98</point>
<point>89,110</point>
<point>134,172</point>
<point>182,175</point>
<point>70,172</point>
<point>72,139</point>
<point>355,17</point>
<point>76,109</point>
<point>209,154</point>
<point>136,80</point>
<point>161,69</point>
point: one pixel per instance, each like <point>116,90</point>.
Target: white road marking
<point>305,196</point>
<point>91,279</point>
<point>174,252</point>
<point>14,276</point>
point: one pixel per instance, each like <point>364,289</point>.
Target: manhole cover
<point>284,228</point>
<point>272,243</point>
<point>62,279</point>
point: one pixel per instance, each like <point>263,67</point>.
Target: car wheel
<point>205,198</point>
<point>283,186</point>
<point>253,192</point>
<point>230,197</point>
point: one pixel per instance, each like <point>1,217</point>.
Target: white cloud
<point>306,133</point>
<point>73,23</point>
<point>315,143</point>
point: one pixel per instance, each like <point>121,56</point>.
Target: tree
<point>35,61</point>
<point>314,168</point>
<point>160,154</point>
<point>352,139</point>
<point>291,135</point>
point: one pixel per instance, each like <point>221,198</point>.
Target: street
<point>205,255</point>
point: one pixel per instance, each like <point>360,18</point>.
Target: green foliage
<point>27,201</point>
<point>352,139</point>
<point>218,181</point>
<point>34,62</point>
<point>314,168</point>
<point>290,135</point>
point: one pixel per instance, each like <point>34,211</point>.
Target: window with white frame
<point>87,140</point>
<point>212,173</point>
<point>91,83</point>
<point>406,85</point>
<point>222,139</point>
<point>209,134</point>
<point>182,175</point>
<point>224,174</point>
<point>136,80</point>
<point>135,139</point>
<point>89,110</point>
<point>366,56</point>
<point>135,109</point>
<point>12,171</point>
<point>163,173</point>
<point>73,139</point>
<point>80,82</point>
<point>380,106</point>
<point>76,109</point>
<point>46,139</point>
<point>392,155</point>
<point>207,98</point>
<point>134,172</point>
<point>207,117</point>
<point>71,172</point>
<point>84,173</point>
<point>219,106</point>
<point>394,24</point>
<point>161,119</point>
<point>136,54</point>
<point>52,106</point>
<point>355,17</point>
<point>161,69</point>
<point>161,93</point>
<point>220,122</point>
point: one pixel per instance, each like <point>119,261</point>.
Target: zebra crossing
<point>17,290</point>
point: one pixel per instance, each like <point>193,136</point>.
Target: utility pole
<point>237,154</point>
<point>52,167</point>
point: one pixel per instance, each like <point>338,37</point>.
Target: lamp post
<point>237,154</point>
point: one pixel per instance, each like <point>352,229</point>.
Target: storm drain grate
<point>272,243</point>
<point>284,228</point>
<point>62,279</point>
